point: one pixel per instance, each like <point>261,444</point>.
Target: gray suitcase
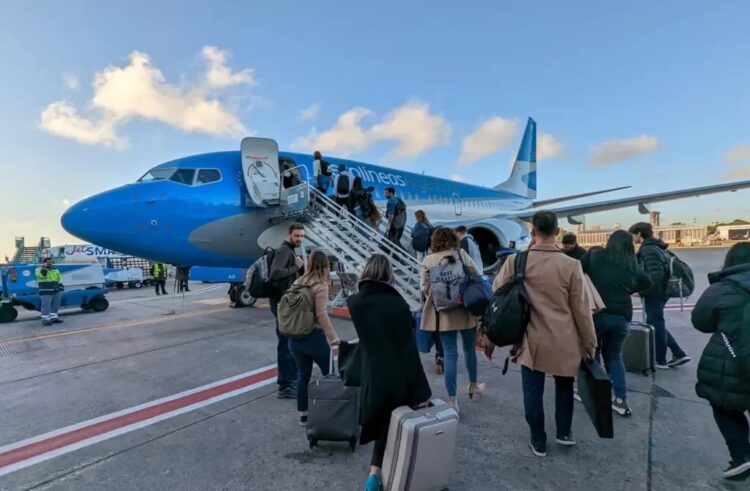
<point>639,350</point>
<point>420,447</point>
<point>333,410</point>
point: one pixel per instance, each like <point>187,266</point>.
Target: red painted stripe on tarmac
<point>59,441</point>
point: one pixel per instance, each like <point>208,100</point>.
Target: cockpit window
<point>206,176</point>
<point>183,176</point>
<point>156,175</point>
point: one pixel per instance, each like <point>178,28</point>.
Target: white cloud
<point>62,119</point>
<point>617,150</point>
<point>310,112</point>
<point>66,202</point>
<point>414,128</point>
<point>219,75</point>
<point>71,80</point>
<point>457,177</point>
<point>139,90</point>
<point>737,154</point>
<point>547,147</point>
<point>739,173</point>
<point>491,136</point>
<point>411,126</point>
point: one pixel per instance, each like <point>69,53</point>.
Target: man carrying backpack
<point>343,187</point>
<point>655,261</point>
<point>396,215</point>
<point>467,243</point>
<point>560,331</point>
<point>321,173</point>
<point>285,269</point>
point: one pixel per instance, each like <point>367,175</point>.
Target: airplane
<point>222,209</point>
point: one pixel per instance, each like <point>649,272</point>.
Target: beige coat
<point>451,320</point>
<point>561,327</point>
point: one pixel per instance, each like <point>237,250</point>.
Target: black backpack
<point>366,204</point>
<point>325,168</point>
<point>420,237</point>
<point>681,280</point>
<point>399,215</point>
<point>342,184</point>
<point>508,313</point>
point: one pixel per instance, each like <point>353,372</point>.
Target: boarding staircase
<point>29,254</point>
<point>352,242</point>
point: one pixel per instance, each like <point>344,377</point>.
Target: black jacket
<point>615,282</point>
<point>357,198</point>
<point>653,258</point>
<point>576,253</point>
<point>283,269</point>
<point>720,309</point>
<point>392,373</point>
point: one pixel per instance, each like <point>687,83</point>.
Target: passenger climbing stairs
<point>352,242</point>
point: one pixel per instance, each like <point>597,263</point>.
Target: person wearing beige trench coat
<point>560,330</point>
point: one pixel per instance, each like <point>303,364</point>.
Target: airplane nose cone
<point>75,220</point>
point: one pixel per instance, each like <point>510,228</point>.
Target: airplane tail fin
<point>522,180</point>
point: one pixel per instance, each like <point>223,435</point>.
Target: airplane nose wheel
<point>240,297</point>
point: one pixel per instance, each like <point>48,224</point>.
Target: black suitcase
<point>639,350</point>
<point>333,410</point>
<point>595,389</point>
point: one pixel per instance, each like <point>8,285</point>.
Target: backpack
<point>446,279</point>
<point>257,275</point>
<point>399,215</point>
<point>681,281</point>
<point>342,184</point>
<point>508,312</point>
<point>296,312</point>
<point>420,237</point>
<point>366,204</point>
<point>476,293</point>
<point>325,168</point>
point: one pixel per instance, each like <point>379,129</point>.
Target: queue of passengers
<point>561,331</point>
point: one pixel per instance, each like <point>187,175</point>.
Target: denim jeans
<point>533,403</point>
<point>287,368</point>
<point>324,182</point>
<point>611,331</point>
<point>449,340</point>
<point>313,348</point>
<point>734,428</point>
<point>655,317</point>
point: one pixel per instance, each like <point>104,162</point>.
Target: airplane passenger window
<point>183,176</point>
<point>206,176</point>
<point>156,175</point>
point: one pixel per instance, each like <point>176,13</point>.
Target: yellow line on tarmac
<point>118,325</point>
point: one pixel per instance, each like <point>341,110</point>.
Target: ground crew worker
<point>49,281</point>
<point>159,273</point>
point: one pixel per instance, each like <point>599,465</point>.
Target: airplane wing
<point>641,201</point>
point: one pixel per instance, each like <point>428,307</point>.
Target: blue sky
<point>650,94</point>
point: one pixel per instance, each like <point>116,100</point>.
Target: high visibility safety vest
<point>159,271</point>
<point>49,280</point>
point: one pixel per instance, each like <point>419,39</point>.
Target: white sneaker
<point>662,367</point>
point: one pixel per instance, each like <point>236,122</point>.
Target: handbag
<point>476,291</point>
<point>595,389</point>
<point>596,303</point>
<point>423,339</point>
<point>350,364</point>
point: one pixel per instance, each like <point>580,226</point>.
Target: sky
<point>654,95</point>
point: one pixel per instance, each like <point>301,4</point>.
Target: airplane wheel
<point>98,304</point>
<point>8,313</point>
<point>243,297</point>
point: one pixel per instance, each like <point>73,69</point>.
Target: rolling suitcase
<point>639,350</point>
<point>333,410</point>
<point>420,447</point>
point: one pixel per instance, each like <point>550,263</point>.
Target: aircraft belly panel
<point>236,235</point>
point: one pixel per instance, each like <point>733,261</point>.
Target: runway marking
<point>213,301</point>
<point>117,325</point>
<point>31,451</point>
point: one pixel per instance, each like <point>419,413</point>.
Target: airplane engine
<point>493,233</point>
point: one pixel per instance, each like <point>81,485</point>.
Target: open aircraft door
<point>260,169</point>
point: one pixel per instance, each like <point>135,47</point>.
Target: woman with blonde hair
<point>316,346</point>
<point>392,374</point>
<point>448,323</point>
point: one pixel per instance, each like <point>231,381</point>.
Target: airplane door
<point>458,206</point>
<point>260,168</point>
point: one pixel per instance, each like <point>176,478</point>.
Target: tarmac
<point>178,392</point>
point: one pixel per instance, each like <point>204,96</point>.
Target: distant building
<point>733,232</point>
<point>686,235</point>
